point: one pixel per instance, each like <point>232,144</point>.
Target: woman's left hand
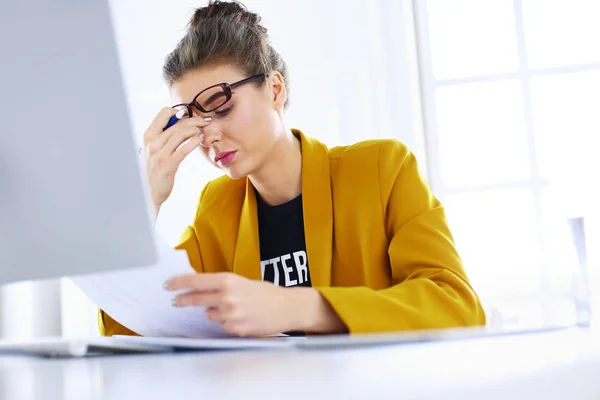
<point>242,306</point>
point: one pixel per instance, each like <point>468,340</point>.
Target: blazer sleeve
<point>188,242</point>
<point>430,289</point>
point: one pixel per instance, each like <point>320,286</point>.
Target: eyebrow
<point>214,97</point>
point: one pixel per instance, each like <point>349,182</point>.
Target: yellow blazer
<point>378,244</point>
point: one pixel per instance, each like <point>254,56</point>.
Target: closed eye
<point>222,113</point>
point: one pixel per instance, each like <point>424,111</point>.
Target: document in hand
<point>136,298</point>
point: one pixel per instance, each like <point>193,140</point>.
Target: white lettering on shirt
<point>300,261</point>
<point>287,269</point>
<point>274,262</point>
<point>299,267</point>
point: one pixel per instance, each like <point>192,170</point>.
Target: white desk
<point>555,365</point>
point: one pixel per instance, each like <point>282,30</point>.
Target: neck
<point>280,178</point>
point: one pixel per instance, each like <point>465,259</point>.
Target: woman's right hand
<point>165,150</point>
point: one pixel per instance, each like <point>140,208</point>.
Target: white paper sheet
<point>136,298</point>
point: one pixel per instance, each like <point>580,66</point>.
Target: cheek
<point>242,120</point>
<point>252,129</point>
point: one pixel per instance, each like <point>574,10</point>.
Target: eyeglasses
<point>214,97</point>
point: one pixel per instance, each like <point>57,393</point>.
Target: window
<point>511,101</point>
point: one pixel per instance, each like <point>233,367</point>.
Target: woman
<point>295,236</point>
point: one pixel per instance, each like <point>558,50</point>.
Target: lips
<point>225,157</point>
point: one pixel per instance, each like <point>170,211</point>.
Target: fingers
<point>186,149</point>
<point>219,293</point>
<point>194,124</point>
<point>178,138</point>
<point>212,299</point>
<point>168,164</point>
<point>158,123</point>
<point>219,308</point>
<point>213,314</point>
<point>169,148</point>
<point>227,319</point>
<point>200,282</point>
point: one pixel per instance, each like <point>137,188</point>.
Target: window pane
<point>566,112</point>
<point>481,133</point>
<point>472,37</point>
<point>495,233</point>
<point>561,32</point>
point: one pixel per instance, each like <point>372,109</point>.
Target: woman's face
<point>243,131</point>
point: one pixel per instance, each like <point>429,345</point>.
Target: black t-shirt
<point>282,244</point>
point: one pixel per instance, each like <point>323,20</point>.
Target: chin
<point>235,177</point>
<point>239,168</point>
<point>235,173</point>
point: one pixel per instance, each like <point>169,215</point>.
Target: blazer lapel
<point>317,207</point>
<point>246,260</point>
<point>318,218</point>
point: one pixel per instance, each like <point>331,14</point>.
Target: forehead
<point>189,85</point>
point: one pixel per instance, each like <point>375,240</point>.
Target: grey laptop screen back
<point>72,199</point>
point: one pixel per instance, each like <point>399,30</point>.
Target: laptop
<point>62,347</point>
<point>73,198</point>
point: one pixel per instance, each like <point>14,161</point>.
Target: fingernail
<point>174,302</point>
<point>166,285</point>
<point>207,119</point>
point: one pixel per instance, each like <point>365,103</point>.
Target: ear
<point>278,90</point>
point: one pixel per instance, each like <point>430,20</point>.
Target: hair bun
<point>225,32</point>
<point>223,10</point>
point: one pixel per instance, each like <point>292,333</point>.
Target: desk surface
<point>553,365</point>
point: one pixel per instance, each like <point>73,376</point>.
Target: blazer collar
<point>317,207</point>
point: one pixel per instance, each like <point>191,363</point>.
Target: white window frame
<point>429,84</point>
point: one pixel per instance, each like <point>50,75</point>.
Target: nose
<point>211,135</point>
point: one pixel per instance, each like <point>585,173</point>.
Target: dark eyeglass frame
<point>227,88</point>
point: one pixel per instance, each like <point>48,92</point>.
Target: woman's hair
<point>225,33</point>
